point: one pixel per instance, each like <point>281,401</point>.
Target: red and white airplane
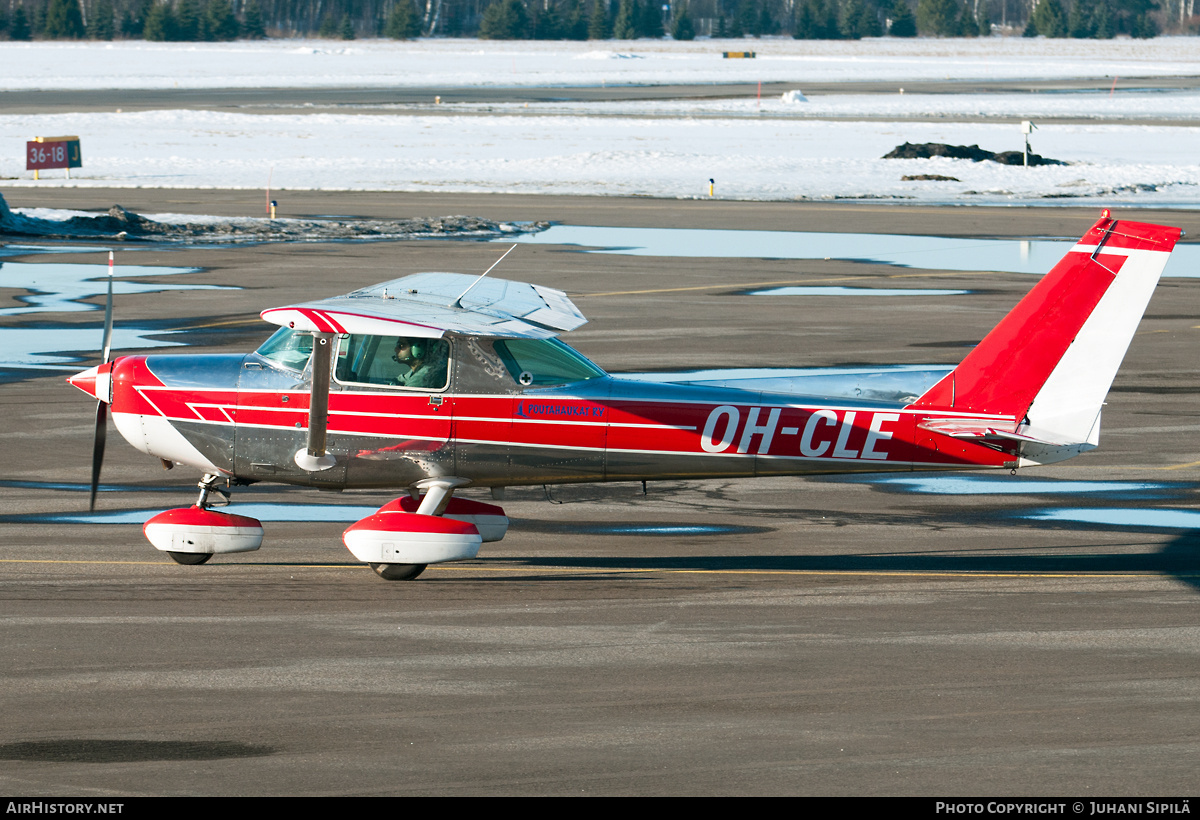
<point>438,381</point>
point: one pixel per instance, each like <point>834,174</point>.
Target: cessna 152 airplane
<point>436,381</point>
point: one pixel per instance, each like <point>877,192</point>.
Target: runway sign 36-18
<point>52,152</point>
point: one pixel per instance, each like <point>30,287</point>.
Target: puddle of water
<point>61,287</point>
<point>840,291</point>
<point>995,485</point>
<point>926,252</point>
<point>41,348</point>
<point>1122,517</point>
<point>83,488</point>
<point>305,513</point>
<point>29,250</point>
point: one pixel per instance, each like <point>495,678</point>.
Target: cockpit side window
<point>392,361</point>
<point>288,348</point>
<point>544,362</point>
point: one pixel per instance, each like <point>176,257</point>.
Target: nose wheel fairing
<point>198,530</point>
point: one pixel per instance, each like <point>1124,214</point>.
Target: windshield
<point>288,348</point>
<point>545,362</point>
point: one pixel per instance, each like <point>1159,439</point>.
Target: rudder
<point>1050,362</point>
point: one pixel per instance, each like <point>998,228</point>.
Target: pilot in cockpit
<point>426,360</point>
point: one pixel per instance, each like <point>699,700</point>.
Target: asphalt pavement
<point>764,636</point>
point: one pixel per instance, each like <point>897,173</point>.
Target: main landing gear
<point>409,533</point>
<point>192,535</point>
<point>398,541</point>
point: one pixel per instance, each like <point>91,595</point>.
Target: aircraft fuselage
<point>239,416</point>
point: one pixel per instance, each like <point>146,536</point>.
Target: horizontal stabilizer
<point>982,430</point>
<point>973,429</point>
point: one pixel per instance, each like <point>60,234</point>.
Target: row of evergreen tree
<point>1100,19</point>
<point>189,20</point>
<point>568,19</point>
<point>624,20</point>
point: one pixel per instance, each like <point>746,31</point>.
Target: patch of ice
<point>46,348</point>
<point>55,287</point>
<point>125,226</point>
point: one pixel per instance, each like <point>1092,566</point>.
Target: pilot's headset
<point>416,350</point>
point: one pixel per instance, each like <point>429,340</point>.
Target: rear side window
<point>544,362</point>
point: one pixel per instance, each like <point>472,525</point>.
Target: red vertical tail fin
<point>1051,360</point>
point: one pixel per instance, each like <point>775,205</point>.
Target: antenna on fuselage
<point>457,303</point>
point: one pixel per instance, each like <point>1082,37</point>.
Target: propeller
<point>101,432</point>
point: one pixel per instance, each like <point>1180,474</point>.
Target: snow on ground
<point>1116,106</point>
<point>456,63</point>
<point>828,147</point>
<point>768,158</point>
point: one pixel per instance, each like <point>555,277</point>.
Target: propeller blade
<point>98,450</point>
<point>101,432</point>
<point>106,345</point>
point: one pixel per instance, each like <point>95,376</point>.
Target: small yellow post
<point>711,183</point>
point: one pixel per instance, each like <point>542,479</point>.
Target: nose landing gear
<point>192,535</point>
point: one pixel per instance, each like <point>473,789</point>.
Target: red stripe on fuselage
<point>825,434</point>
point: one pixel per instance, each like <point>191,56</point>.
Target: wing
<point>427,305</point>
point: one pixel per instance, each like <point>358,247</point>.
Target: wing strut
<point>313,458</point>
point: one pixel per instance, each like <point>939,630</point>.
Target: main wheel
<point>398,572</point>
<point>190,557</point>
